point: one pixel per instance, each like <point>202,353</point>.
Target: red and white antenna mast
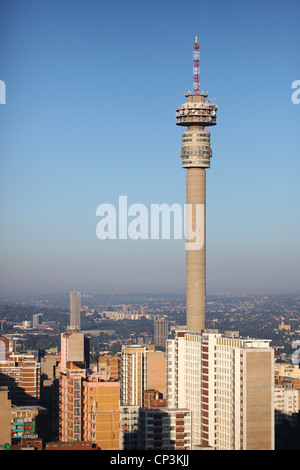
<point>196,68</point>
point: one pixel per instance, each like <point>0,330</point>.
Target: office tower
<point>74,348</point>
<point>75,306</point>
<point>161,332</point>
<point>21,373</point>
<point>228,384</point>
<point>165,429</point>
<point>142,368</point>
<point>5,417</point>
<point>196,114</point>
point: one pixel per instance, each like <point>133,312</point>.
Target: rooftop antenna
<point>196,67</point>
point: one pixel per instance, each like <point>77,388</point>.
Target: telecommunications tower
<point>196,114</point>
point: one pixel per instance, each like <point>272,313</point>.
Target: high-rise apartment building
<point>75,308</point>
<point>142,368</point>
<point>89,407</point>
<point>228,384</point>
<point>21,373</point>
<point>71,403</point>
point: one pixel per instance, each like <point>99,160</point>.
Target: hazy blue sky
<point>91,93</point>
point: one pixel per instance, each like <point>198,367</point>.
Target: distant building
<point>282,326</point>
<point>75,308</point>
<point>161,330</point>
<point>145,338</point>
<point>143,310</point>
<point>37,319</point>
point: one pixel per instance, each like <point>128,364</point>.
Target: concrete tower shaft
<point>196,114</point>
<point>196,258</point>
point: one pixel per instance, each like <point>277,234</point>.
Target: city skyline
<point>91,93</point>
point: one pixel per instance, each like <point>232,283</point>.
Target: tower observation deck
<point>196,114</point>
